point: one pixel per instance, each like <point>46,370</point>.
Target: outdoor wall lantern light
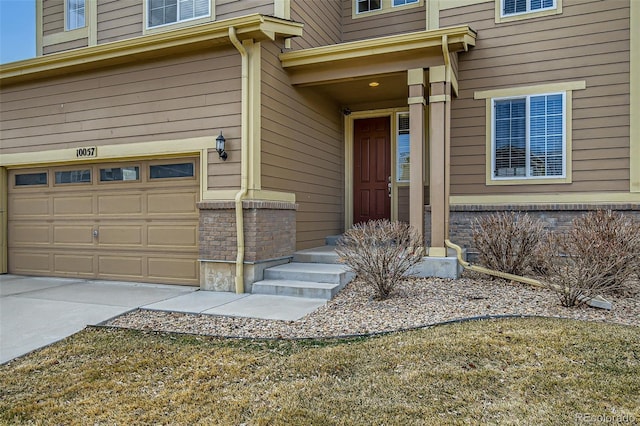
<point>220,147</point>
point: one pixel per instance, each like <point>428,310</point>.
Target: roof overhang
<point>380,55</point>
<point>257,27</point>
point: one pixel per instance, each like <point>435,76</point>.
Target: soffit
<point>381,55</point>
<point>256,27</point>
<point>356,91</point>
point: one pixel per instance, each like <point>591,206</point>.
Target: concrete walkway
<point>38,311</point>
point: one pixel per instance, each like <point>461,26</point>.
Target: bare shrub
<point>617,242</point>
<point>509,242</point>
<point>381,253</point>
<point>572,277</point>
<point>599,255</point>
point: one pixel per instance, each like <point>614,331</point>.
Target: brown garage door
<point>134,221</point>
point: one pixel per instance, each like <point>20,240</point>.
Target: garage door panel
<point>172,203</point>
<point>120,204</point>
<point>29,262</point>
<point>73,205</point>
<point>120,266</point>
<point>74,264</point>
<point>172,236</point>
<point>121,235</point>
<point>147,230</point>
<point>29,234</point>
<point>172,267</point>
<point>29,207</point>
<point>73,234</point>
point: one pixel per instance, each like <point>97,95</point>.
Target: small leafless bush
<point>509,242</point>
<point>381,253</point>
<point>616,242</point>
<point>599,255</point>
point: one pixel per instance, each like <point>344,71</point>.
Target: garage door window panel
<point>31,179</point>
<point>73,176</point>
<point>119,174</point>
<point>172,171</point>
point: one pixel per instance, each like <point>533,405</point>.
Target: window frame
<point>386,6</point>
<point>529,14</point>
<point>527,116</point>
<point>179,22</point>
<point>517,92</point>
<point>528,10</point>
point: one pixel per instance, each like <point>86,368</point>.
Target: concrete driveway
<point>38,311</point>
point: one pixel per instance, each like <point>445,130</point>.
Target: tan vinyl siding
<point>383,24</point>
<point>59,47</point>
<point>119,20</point>
<point>589,41</point>
<point>173,98</point>
<point>52,16</point>
<point>302,152</point>
<point>226,9</point>
<point>321,23</point>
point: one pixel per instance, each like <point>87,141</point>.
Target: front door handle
<point>389,186</point>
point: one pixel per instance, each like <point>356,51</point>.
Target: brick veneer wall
<point>555,217</point>
<point>269,230</point>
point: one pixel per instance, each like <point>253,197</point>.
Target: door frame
<point>348,159</point>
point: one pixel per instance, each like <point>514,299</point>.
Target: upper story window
<point>368,5</point>
<point>364,8</point>
<point>403,2</point>
<point>75,14</point>
<point>164,12</point>
<point>514,7</point>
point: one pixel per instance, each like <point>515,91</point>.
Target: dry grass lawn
<point>510,371</point>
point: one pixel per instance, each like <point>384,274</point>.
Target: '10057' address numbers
<point>89,151</point>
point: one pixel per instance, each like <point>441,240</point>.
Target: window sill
<point>529,181</point>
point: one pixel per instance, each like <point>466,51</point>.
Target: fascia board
<point>459,38</point>
<point>254,26</point>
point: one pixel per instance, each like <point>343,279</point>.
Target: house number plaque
<point>87,151</point>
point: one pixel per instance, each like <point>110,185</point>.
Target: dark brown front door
<point>372,169</point>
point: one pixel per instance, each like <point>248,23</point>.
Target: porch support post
<point>417,103</point>
<point>439,129</point>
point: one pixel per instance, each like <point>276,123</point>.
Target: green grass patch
<point>511,371</point>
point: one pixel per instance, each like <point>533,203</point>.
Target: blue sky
<point>17,30</point>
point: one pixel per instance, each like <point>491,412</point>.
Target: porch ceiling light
<point>220,147</point>
<point>374,84</point>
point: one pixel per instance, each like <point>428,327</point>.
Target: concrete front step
<point>306,289</point>
<point>324,254</point>
<point>313,272</point>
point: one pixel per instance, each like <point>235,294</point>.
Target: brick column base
<point>269,239</point>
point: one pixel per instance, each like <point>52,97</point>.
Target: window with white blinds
<point>529,137</point>
<point>75,14</point>
<point>514,7</point>
<point>164,12</point>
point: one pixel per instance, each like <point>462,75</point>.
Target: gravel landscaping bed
<point>416,302</point>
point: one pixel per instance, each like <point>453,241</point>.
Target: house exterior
<point>332,112</point>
